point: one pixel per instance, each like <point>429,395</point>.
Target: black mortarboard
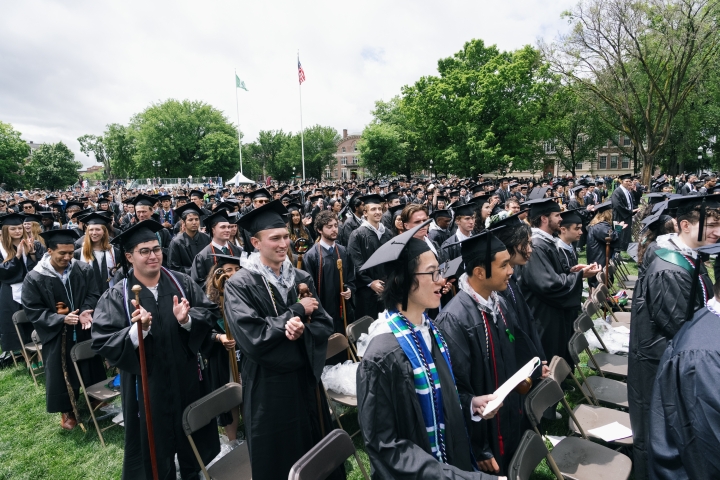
<point>197,193</point>
<point>69,205</point>
<point>570,217</point>
<point>391,196</point>
<point>143,199</point>
<point>32,218</point>
<point>270,215</point>
<point>607,205</point>
<point>484,245</point>
<point>82,213</point>
<point>294,207</point>
<point>509,221</point>
<point>217,217</point>
<point>260,193</point>
<point>31,202</point>
<point>394,248</point>
<point>538,192</point>
<point>229,206</point>
<point>397,209</point>
<point>140,232</point>
<point>225,259</point>
<point>656,197</point>
<point>577,189</point>
<point>441,214</point>
<point>103,200</point>
<point>465,210</point>
<point>625,176</point>
<point>479,188</point>
<point>541,206</point>
<point>654,221</point>
<point>182,212</point>
<point>96,219</point>
<point>12,219</point>
<point>61,237</point>
<point>47,214</point>
<point>372,199</point>
<point>688,203</point>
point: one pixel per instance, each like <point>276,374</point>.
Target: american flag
<point>301,73</point>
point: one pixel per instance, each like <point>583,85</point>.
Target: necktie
<point>225,250</point>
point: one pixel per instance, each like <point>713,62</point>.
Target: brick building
<point>347,159</point>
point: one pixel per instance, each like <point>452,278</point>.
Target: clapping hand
<point>181,309</point>
<point>86,319</point>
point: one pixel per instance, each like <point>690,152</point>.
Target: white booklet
<point>611,432</point>
<point>511,383</point>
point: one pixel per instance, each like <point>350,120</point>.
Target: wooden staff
<point>342,289</point>
<point>145,386</point>
<point>220,285</point>
<point>608,239</point>
<point>71,392</point>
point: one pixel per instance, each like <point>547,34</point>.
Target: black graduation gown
<point>527,339</point>
<point>280,376</point>
<point>349,225</point>
<point>596,245</point>
<point>481,364</point>
<point>439,236</point>
<point>39,296</point>
<point>328,285</point>
<point>391,420</point>
<point>387,219</point>
<point>622,212</point>
<point>10,273</point>
<point>173,373</point>
<point>684,409</point>
<point>452,252</point>
<point>183,250</point>
<point>553,295</point>
<point>658,311</point>
<point>362,244</point>
<point>204,262</point>
<point>102,273</point>
<point>648,257</point>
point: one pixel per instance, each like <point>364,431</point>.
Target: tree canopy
<point>13,152</point>
<point>52,167</point>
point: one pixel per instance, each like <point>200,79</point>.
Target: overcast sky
<point>69,68</point>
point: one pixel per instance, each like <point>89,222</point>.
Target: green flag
<point>239,83</point>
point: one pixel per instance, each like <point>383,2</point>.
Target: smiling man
<point>220,230</point>
<point>283,340</point>
<point>176,319</point>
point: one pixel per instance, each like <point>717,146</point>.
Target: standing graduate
<point>218,224</point>
<point>465,223</point>
<point>176,319</point>
<point>623,208</point>
<point>283,341</point>
<point>685,401</point>
<point>439,231</point>
<point>601,227</point>
<point>413,419</point>
<point>553,294</point>
<point>97,251</point>
<point>321,263</point>
<point>144,211</point>
<point>480,336</point>
<point>18,255</point>
<point>363,243</point>
<point>352,219</point>
<point>59,296</point>
<point>660,305</point>
<point>185,246</point>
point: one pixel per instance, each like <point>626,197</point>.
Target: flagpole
<point>302,140</point>
<point>237,109</point>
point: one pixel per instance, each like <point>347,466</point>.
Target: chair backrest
<point>35,337</point>
<point>530,452</point>
<point>337,343</point>
<point>546,394</point>
<point>321,460</point>
<point>583,323</point>
<point>590,307</point>
<point>82,351</point>
<point>600,277</point>
<point>603,292</point>
<point>20,317</point>
<point>358,327</point>
<point>577,344</point>
<point>201,412</point>
<point>559,369</point>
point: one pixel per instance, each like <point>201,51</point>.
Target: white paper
<point>611,432</point>
<point>622,329</point>
<point>554,440</point>
<point>511,383</point>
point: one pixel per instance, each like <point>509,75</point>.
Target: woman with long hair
<point>221,349</point>
<point>31,223</point>
<point>18,255</point>
<point>296,228</point>
<point>599,228</point>
<point>482,213</point>
<point>97,251</point>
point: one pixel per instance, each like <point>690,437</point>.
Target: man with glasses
<point>176,319</point>
<point>28,207</point>
<point>219,228</point>
<point>144,205</point>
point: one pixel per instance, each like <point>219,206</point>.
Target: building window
<point>579,166</point>
<point>625,162</point>
<point>354,147</point>
<point>354,160</point>
<point>603,161</point>
<point>344,173</point>
<point>613,161</point>
<point>343,161</point>
<point>549,147</point>
<point>626,141</point>
<point>343,149</point>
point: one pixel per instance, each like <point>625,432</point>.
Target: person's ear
<point>255,241</point>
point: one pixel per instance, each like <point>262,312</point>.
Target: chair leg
<point>362,468</point>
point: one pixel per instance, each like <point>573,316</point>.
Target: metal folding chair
<point>325,457</point>
<point>234,465</point>
<point>601,389</point>
<point>355,329</point>
<point>336,344</point>
<point>30,351</point>
<point>528,456</point>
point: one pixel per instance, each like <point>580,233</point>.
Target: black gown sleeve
<point>667,297</point>
<point>356,252</point>
<point>45,321</point>
<point>111,332</point>
<point>559,289</point>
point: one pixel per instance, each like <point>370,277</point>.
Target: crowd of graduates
<point>466,280</point>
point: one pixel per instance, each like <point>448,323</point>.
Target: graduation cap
<point>96,218</point>
<point>260,193</point>
<point>31,217</point>
<point>60,237</point>
<point>270,215</point>
<point>466,210</point>
<point>484,244</point>
<point>541,206</point>
<point>657,197</point>
<point>575,190</point>
<point>25,202</point>
<point>442,198</point>
<point>219,216</point>
<point>654,221</point>
<point>391,196</point>
<point>144,200</point>
<point>229,206</point>
<point>538,192</point>
<point>197,193</point>
<point>222,260</point>
<point>392,249</point>
<point>372,199</point>
<point>607,205</point>
<point>12,219</point>
<point>185,210</point>
<point>509,220</point>
<point>479,188</point>
<point>452,268</point>
<point>570,217</point>
<point>294,207</point>
<point>103,200</point>
<point>626,176</point>
<point>441,214</point>
<point>397,209</point>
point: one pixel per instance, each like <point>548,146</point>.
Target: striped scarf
<point>425,376</point>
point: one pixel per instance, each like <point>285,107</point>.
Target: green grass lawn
<point>33,446</point>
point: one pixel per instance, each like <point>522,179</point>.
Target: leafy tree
<point>641,59</point>
<point>186,138</point>
<point>13,152</point>
<point>52,166</point>
<point>382,150</point>
<point>93,144</point>
<point>320,144</point>
<point>119,143</point>
<point>267,149</point>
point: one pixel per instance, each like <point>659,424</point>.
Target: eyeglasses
<point>262,200</point>
<point>27,207</point>
<point>436,274</point>
<point>145,252</point>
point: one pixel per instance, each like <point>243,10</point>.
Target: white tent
<point>239,179</point>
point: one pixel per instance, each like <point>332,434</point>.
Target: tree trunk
<point>647,169</point>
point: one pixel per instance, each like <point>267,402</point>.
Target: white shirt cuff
<point>134,334</point>
<point>473,416</point>
<point>187,324</point>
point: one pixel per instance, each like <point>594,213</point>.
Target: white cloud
<point>70,68</point>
